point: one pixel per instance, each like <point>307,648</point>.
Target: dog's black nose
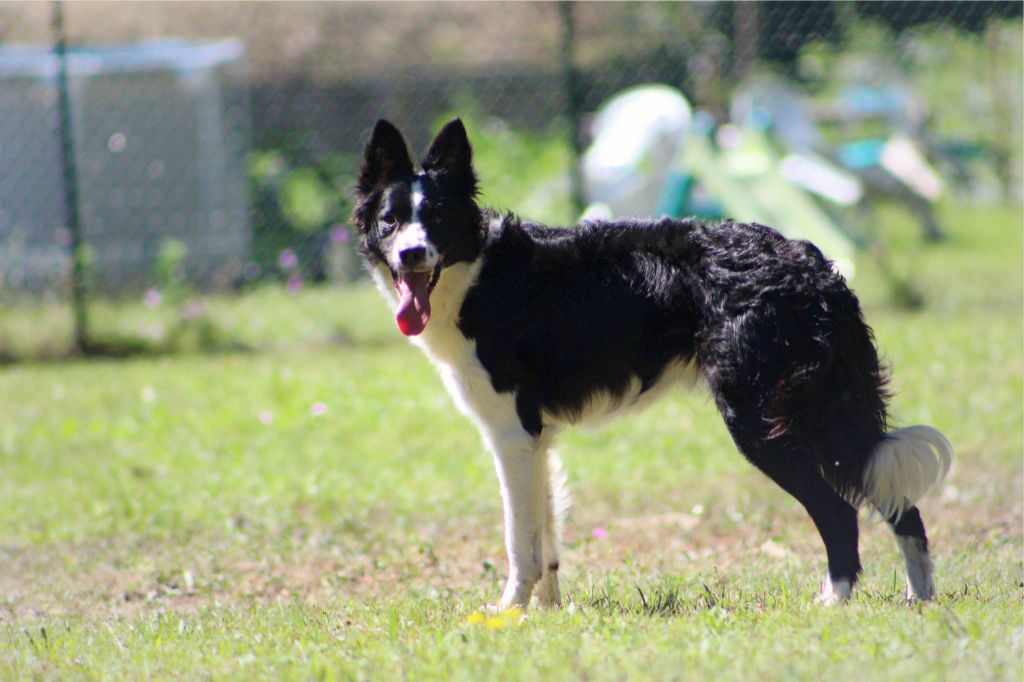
<point>413,256</point>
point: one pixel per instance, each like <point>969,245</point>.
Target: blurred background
<point>175,176</point>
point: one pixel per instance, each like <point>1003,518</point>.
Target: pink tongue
<point>414,302</point>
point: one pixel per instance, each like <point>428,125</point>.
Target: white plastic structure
<point>636,135</point>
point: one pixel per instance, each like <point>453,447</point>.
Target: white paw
<point>834,593</point>
<point>492,609</point>
<point>547,591</point>
<point>923,592</point>
<point>920,571</point>
<point>517,594</point>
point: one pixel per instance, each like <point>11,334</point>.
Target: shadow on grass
<point>675,600</point>
<point>193,335</point>
<point>714,596</point>
<point>192,338</point>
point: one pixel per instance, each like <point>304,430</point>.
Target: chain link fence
<point>209,147</point>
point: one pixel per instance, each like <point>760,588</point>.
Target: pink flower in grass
<point>152,298</point>
<point>599,532</point>
<point>339,234</point>
<point>192,309</point>
<point>294,284</point>
<point>287,260</point>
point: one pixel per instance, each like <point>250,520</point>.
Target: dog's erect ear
<point>386,157</point>
<point>451,156</point>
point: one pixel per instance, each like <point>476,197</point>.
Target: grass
<point>318,510</point>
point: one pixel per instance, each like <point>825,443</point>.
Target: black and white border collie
<point>536,328</point>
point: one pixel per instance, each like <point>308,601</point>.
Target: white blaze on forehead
<point>412,234</point>
<point>417,199</point>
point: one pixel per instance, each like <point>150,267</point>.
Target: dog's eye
<point>431,214</point>
<point>387,223</point>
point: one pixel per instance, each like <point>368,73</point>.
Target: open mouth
<point>414,287</point>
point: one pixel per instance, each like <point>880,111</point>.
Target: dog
<point>537,328</point>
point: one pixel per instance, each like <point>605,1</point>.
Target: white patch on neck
<point>442,339</point>
<point>454,355</point>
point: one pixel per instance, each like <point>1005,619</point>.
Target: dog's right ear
<point>451,156</point>
<point>386,158</point>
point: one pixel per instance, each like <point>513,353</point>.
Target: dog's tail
<point>906,465</point>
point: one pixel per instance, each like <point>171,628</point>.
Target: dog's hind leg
<point>557,503</point>
<point>795,470</point>
<point>913,543</point>
<point>835,518</point>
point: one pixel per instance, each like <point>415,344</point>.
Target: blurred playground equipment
<point>651,154</point>
<point>891,163</point>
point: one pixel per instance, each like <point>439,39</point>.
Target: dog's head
<point>416,223</point>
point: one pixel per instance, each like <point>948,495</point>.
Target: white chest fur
<point>455,356</point>
<point>470,384</point>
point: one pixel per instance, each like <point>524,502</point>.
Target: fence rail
<point>211,145</point>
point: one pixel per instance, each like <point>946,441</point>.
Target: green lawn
<point>317,509</point>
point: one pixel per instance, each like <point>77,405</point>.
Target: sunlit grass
<point>317,509</point>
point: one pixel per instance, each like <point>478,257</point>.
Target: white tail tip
<point>908,464</point>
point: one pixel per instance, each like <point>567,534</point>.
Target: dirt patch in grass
<point>979,510</point>
<point>114,577</point>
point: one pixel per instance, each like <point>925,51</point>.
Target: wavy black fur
<point>562,314</point>
<point>768,321</point>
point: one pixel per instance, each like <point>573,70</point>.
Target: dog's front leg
<point>522,470</point>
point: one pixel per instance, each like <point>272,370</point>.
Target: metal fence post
<point>78,254</point>
<point>573,106</point>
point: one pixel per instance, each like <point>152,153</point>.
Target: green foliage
<point>170,270</point>
<point>169,262</point>
<point>306,201</point>
<point>969,84</point>
<point>520,170</point>
<point>297,205</point>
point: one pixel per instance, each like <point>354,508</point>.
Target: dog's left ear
<point>451,156</point>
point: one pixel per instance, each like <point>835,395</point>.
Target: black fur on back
<point>560,314</point>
